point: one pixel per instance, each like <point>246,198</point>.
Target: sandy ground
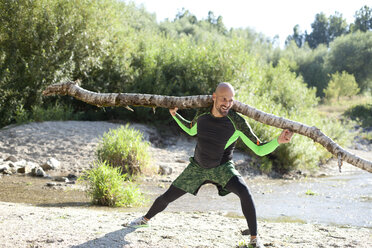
<point>29,226</point>
<point>73,144</point>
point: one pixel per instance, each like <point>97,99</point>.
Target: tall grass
<point>108,186</point>
<point>125,148</point>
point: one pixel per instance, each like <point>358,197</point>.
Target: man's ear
<point>214,96</point>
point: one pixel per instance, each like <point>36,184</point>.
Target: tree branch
<point>199,101</point>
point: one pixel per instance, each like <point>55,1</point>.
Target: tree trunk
<point>148,100</point>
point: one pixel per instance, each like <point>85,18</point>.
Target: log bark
<point>148,100</point>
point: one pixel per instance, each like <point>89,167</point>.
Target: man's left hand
<point>285,136</point>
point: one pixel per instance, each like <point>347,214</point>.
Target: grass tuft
<point>108,186</point>
<point>125,148</point>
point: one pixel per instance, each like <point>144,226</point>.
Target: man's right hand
<point>173,111</point>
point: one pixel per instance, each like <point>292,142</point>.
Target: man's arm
<point>244,131</point>
<point>187,126</point>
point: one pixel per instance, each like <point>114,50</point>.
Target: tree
<point>343,84</point>
<point>185,23</point>
<point>337,26</point>
<point>123,99</point>
<point>48,41</point>
<point>319,34</point>
<point>352,53</point>
<point>363,19</point>
<point>309,63</point>
<point>325,30</point>
<point>297,37</point>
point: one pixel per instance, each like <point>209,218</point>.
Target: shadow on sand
<point>114,239</point>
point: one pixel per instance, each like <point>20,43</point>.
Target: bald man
<point>217,130</point>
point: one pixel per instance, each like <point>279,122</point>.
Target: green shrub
<point>343,84</point>
<point>53,113</point>
<point>107,186</point>
<point>21,115</point>
<point>125,147</point>
<point>56,112</point>
<point>48,41</point>
<point>361,113</point>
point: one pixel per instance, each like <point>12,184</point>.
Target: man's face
<point>223,101</point>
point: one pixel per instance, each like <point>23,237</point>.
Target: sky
<point>270,17</point>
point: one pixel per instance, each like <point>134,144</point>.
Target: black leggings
<point>235,185</point>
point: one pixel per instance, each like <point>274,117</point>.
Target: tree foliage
<point>352,53</point>
<point>112,46</point>
<point>326,29</point>
<point>332,46</point>
<point>363,20</point>
<point>341,84</point>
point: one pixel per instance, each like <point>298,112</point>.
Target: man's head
<point>223,99</point>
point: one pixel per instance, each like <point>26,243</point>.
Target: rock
<point>32,164</point>
<point>24,169</point>
<point>11,158</point>
<point>20,163</point>
<point>165,180</point>
<point>38,171</point>
<point>72,177</point>
<point>51,184</point>
<point>51,164</point>
<point>4,168</point>
<point>6,171</point>
<point>165,170</point>
<point>61,179</point>
<point>13,170</point>
<point>182,161</point>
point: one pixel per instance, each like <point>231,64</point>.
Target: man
<point>217,130</point>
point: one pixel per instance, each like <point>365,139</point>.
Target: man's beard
<point>222,111</point>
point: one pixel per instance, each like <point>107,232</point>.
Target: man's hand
<point>285,136</point>
<point>173,111</point>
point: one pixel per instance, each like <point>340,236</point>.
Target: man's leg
<point>237,185</point>
<point>162,201</point>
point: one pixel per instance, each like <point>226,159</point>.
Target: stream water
<point>344,199</point>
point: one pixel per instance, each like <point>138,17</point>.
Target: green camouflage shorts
<point>194,176</point>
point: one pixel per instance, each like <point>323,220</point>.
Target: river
<point>343,199</point>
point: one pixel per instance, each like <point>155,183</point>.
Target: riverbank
<point>72,224</point>
<point>29,226</point>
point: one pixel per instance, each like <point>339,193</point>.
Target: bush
<point>49,41</point>
<point>124,147</point>
<point>361,113</point>
<point>107,186</point>
<point>343,84</point>
<point>55,112</point>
